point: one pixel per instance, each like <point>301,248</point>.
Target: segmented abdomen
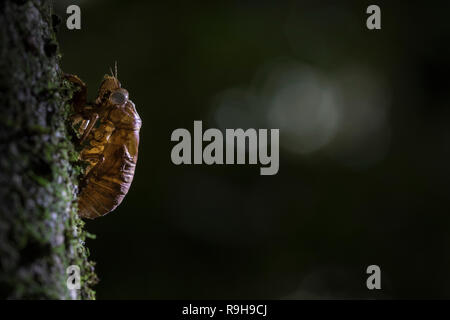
<point>104,193</point>
<point>110,177</point>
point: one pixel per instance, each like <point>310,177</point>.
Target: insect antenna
<point>114,74</point>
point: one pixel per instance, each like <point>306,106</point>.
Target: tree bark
<point>40,231</point>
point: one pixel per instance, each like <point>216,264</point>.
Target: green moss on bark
<point>40,231</point>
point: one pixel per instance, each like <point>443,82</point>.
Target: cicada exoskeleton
<point>109,141</point>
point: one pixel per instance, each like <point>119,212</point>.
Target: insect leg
<point>94,156</point>
<point>94,170</point>
<point>92,120</point>
<point>80,97</point>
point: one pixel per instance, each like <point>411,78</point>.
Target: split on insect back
<point>109,128</point>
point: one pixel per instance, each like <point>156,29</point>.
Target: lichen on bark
<point>40,231</point>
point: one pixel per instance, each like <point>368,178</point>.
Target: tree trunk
<point>40,232</point>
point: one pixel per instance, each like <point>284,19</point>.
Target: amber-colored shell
<point>110,142</point>
<point>110,180</point>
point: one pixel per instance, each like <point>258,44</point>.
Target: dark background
<point>364,148</point>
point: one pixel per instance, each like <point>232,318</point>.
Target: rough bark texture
<point>40,232</point>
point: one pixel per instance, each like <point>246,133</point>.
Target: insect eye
<point>118,98</point>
